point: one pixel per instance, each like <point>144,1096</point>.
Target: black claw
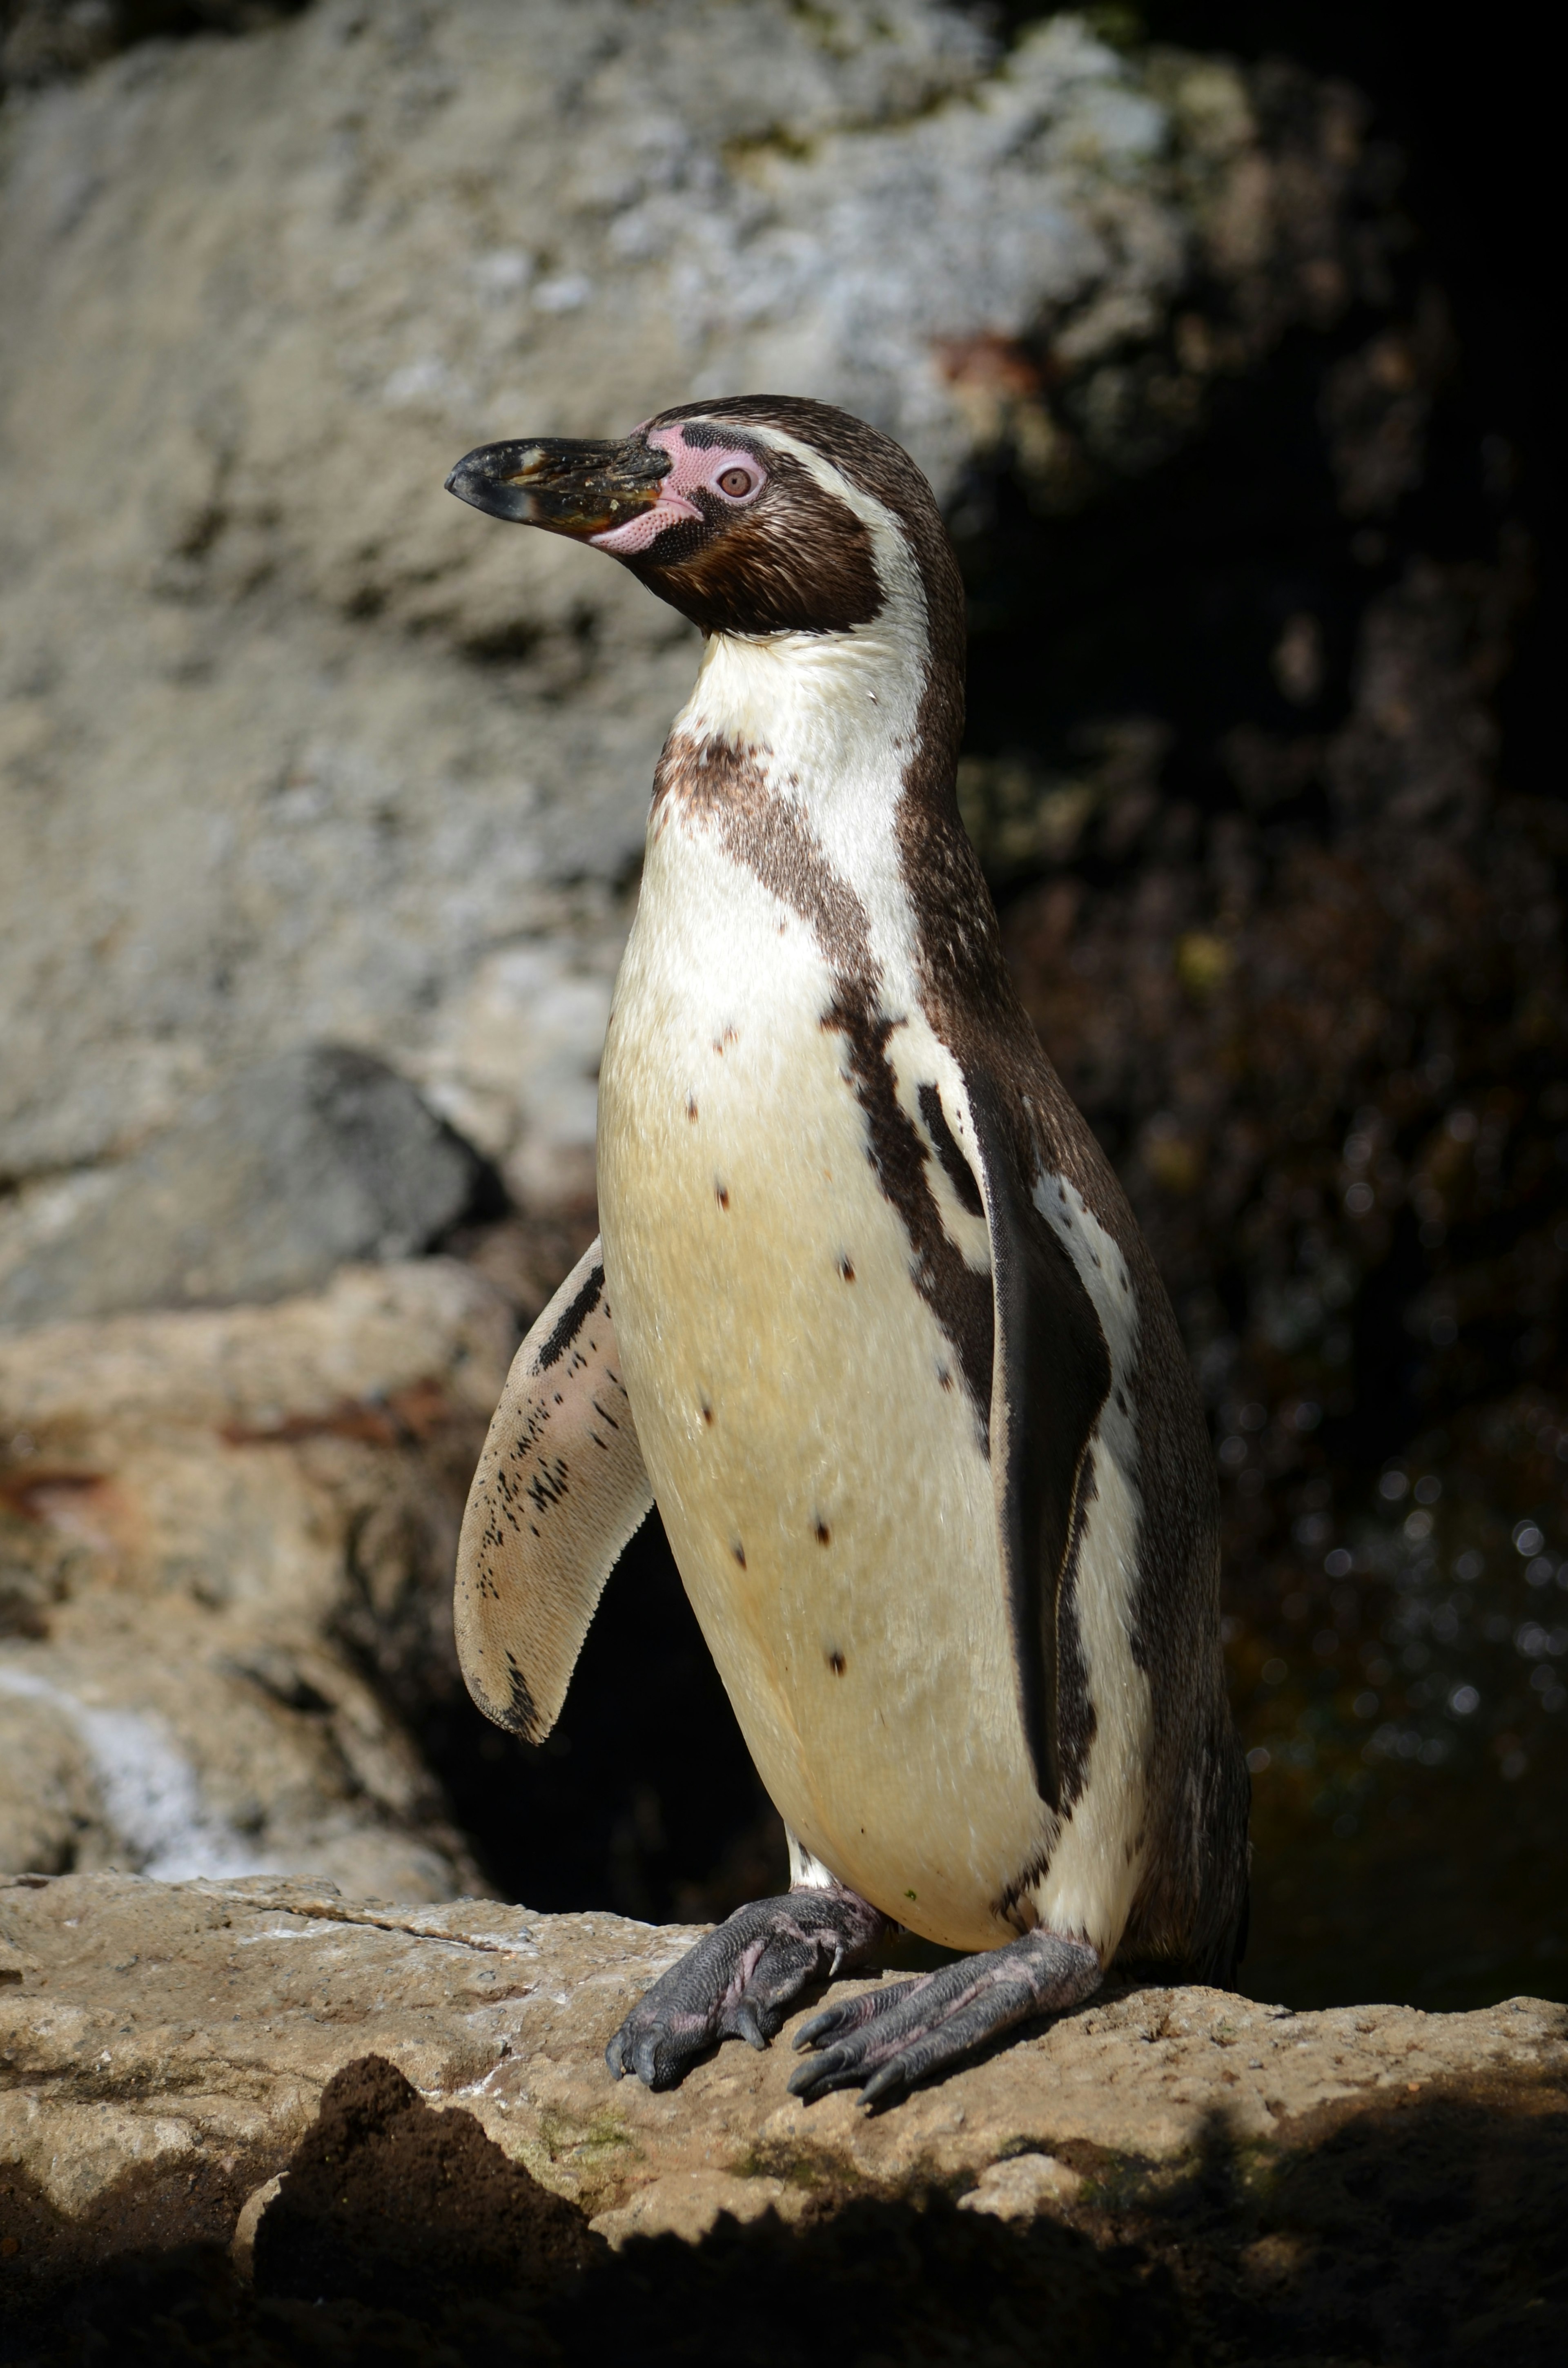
<point>837,2022</point>
<point>816,2077</point>
<point>881,2084</point>
<point>750,2024</point>
<point>821,2026</point>
<point>888,2039</point>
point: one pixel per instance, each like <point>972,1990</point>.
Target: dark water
<point>1407,1720</point>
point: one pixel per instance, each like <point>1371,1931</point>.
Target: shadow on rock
<point>1427,2229</point>
<point>388,2202</point>
<point>1423,2229</point>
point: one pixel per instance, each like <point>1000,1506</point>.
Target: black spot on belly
<point>740,1554</point>
<point>691,1106</point>
<point>722,1194</point>
<point>837,1663</point>
<point>708,1414</point>
<point>823,1533</point>
<point>846,1269</point>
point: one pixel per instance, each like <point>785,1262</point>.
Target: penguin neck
<point>834,715</point>
<point>835,728</point>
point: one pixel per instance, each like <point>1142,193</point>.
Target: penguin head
<point>753,514</point>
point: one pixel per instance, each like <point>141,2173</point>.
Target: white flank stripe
<point>1096,1868</point>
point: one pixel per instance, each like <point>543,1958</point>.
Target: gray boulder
<point>262,1189</point>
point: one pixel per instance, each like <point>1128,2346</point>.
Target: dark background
<point>1471,112</point>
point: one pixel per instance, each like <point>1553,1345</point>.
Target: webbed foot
<point>738,1983</point>
<point>888,2039</point>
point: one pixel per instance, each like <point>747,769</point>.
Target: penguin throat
<point>833,716</point>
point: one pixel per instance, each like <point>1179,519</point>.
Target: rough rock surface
<point>165,2048</point>
<point>114,1981</point>
<point>217,1529</point>
<point>47,40</point>
<point>291,746</point>
<point>262,1189</point>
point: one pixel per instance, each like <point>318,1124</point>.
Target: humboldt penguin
<point>870,1319</point>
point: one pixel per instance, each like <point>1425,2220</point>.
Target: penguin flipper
<point>559,1491</point>
<point>1051,1377</point>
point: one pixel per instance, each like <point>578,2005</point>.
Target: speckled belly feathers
<point>813,1420</point>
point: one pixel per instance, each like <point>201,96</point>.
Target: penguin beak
<point>567,486</point>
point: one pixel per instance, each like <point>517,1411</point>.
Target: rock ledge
<point>164,2049</point>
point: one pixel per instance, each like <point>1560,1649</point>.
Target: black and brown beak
<point>567,486</point>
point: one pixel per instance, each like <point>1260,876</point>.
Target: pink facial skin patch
<point>735,477</point>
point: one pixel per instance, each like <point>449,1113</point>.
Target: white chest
<point>814,1453</point>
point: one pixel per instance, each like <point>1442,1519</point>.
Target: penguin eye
<point>737,483</point>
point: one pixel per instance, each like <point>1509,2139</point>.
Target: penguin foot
<point>738,1983</point>
<point>888,2039</point>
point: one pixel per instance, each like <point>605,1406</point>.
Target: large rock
<point>264,1188</point>
<point>291,745</point>
<point>164,2049</point>
<point>220,1535</point>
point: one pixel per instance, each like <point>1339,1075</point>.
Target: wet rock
<point>262,1189</point>
<point>292,745</point>
<point>430,2082</point>
<point>223,1535</point>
